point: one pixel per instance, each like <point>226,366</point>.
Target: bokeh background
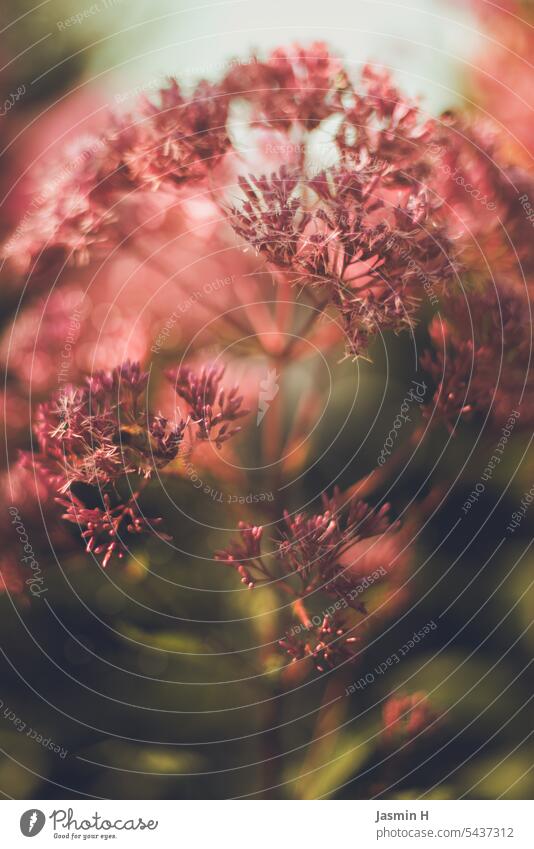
<point>151,677</point>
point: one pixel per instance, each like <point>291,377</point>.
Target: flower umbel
<point>99,432</point>
<point>329,645</point>
<point>310,549</point>
<point>108,529</point>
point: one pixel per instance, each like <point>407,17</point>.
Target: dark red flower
<point>11,577</point>
<point>175,138</point>
<point>245,555</point>
<point>329,644</point>
<point>373,253</point>
<point>98,433</point>
<point>311,546</point>
<point>487,199</point>
<point>299,85</point>
<point>109,531</point>
<point>78,209</point>
<point>406,716</point>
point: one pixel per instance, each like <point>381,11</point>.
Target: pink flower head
<point>175,138</point>
<point>108,531</point>
<point>312,547</point>
<point>329,644</point>
<point>81,201</point>
<point>98,433</point>
<point>293,86</point>
<point>245,555</point>
<point>11,576</point>
<point>383,127</point>
<point>211,406</point>
<point>406,716</point>
<point>482,358</point>
<point>372,253</point>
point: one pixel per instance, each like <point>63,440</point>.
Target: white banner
<point>268,824</point>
